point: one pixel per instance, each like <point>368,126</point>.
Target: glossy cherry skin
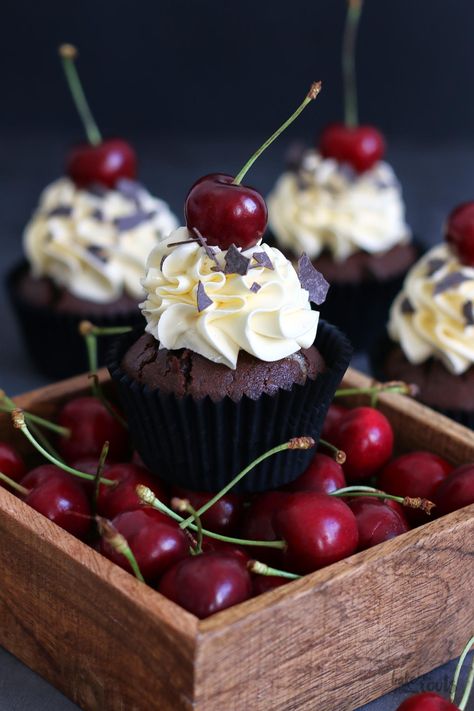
<point>456,491</point>
<point>230,549</point>
<point>366,436</point>
<point>11,464</point>
<point>459,232</point>
<point>113,500</point>
<point>376,522</point>
<point>427,701</point>
<point>156,541</point>
<point>91,424</point>
<point>264,583</point>
<point>225,213</point>
<point>258,525</point>
<point>207,583</point>
<point>318,530</point>
<point>361,147</point>
<point>104,164</point>
<point>54,494</point>
<point>222,517</point>
<point>323,475</point>
<point>331,423</point>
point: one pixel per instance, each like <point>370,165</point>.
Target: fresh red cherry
<point>222,517</point>
<point>54,494</point>
<point>331,423</point>
<point>11,463</point>
<point>414,474</point>
<point>258,525</point>
<point>456,491</point>
<point>113,500</point>
<point>225,213</point>
<point>376,522</point>
<point>427,701</point>
<point>318,530</point>
<point>361,146</point>
<point>264,583</point>
<point>105,163</point>
<point>207,583</point>
<point>231,549</point>
<point>459,232</point>
<point>323,475</point>
<point>366,436</point>
<point>91,424</point>
<point>155,540</point>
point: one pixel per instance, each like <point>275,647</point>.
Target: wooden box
<point>333,640</point>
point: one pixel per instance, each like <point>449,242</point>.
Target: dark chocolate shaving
<point>60,211</point>
<point>203,301</point>
<point>450,281</point>
<point>130,189</point>
<point>312,280</point>
<point>183,241</point>
<point>203,242</point>
<point>97,215</point>
<point>129,222</point>
<point>468,313</point>
<point>255,287</point>
<point>407,307</point>
<point>434,265</point>
<point>236,262</point>
<point>263,260</point>
<point>97,190</point>
<point>97,252</point>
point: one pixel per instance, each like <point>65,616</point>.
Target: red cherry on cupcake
<point>106,163</point>
<point>456,491</point>
<point>113,500</point>
<point>459,232</point>
<point>366,436</point>
<point>11,463</point>
<point>376,522</point>
<point>323,475</point>
<point>360,146</point>
<point>427,701</point>
<point>207,583</point>
<point>222,517</point>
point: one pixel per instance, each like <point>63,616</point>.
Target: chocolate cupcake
<point>351,223</point>
<point>86,250</point>
<point>233,362</point>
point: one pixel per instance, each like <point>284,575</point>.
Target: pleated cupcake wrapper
<point>202,444</point>
<point>52,338</point>
<point>378,354</point>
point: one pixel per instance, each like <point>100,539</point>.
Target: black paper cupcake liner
<point>202,445</point>
<point>52,338</point>
<point>377,357</point>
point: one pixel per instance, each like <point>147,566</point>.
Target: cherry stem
<point>394,386</point>
<point>14,484</point>
<point>148,497</point>
<point>408,501</point>
<point>457,673</point>
<point>184,506</point>
<point>338,454</point>
<point>468,689</point>
<point>99,472</point>
<point>119,543</point>
<point>294,443</point>
<point>20,424</point>
<point>314,90</point>
<point>354,11</point>
<point>255,566</point>
<point>68,54</point>
<point>7,405</point>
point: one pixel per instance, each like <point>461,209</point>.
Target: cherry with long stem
<point>119,543</point>
<point>68,54</point>
<point>354,11</point>
<point>408,501</point>
<point>255,566</point>
<point>184,506</point>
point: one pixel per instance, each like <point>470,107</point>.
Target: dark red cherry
<point>231,549</point>
<point>427,701</point>
<point>54,494</point>
<point>331,423</point>
<point>225,213</point>
<point>376,522</point>
<point>222,517</point>
<point>361,147</point>
<point>318,530</point>
<point>156,541</point>
<point>459,232</point>
<point>264,583</point>
<point>11,464</point>
<point>113,500</point>
<point>456,491</point>
<point>366,436</point>
<point>258,525</point>
<point>105,163</point>
<point>323,475</point>
<point>91,424</point>
<point>207,583</point>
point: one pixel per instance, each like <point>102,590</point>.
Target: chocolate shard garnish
<point>255,287</point>
<point>434,265</point>
<point>60,211</point>
<point>407,307</point>
<point>97,252</point>
<point>97,215</point>
<point>263,260</point>
<point>468,313</point>
<point>97,190</point>
<point>130,189</point>
<point>183,241</point>
<point>203,242</point>
<point>450,281</point>
<point>312,280</point>
<point>203,301</point>
<point>236,262</point>
<point>129,222</point>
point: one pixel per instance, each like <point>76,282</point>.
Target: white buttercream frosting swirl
<point>265,312</point>
<point>433,316</point>
<point>95,242</point>
<point>326,205</point>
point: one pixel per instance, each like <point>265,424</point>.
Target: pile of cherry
<point>301,527</point>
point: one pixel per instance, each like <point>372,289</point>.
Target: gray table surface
<point>435,178</point>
